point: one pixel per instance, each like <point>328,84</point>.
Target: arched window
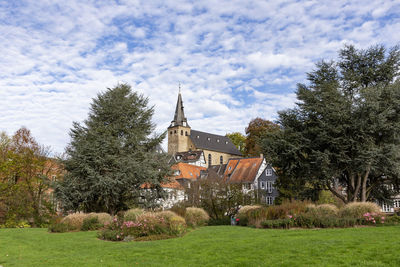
<point>209,159</point>
<point>181,132</point>
<point>221,160</point>
<point>186,133</point>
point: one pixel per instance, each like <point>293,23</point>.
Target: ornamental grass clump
<point>148,224</point>
<point>327,210</point>
<point>75,220</point>
<point>358,209</point>
<point>243,214</point>
<point>195,217</point>
<point>132,214</point>
<point>102,217</point>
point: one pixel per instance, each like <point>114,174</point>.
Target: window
<point>181,132</point>
<point>191,174</point>
<point>189,185</point>
<point>170,132</point>
<point>186,133</point>
<point>177,172</point>
<point>247,186</point>
<point>198,137</point>
<point>226,142</point>
<point>208,138</point>
<point>209,159</point>
<point>387,208</point>
<point>269,200</point>
<point>217,140</point>
<point>262,185</point>
<point>270,186</point>
<point>174,131</point>
<point>221,160</point>
<point>396,203</point>
<point>230,168</point>
<point>268,172</point>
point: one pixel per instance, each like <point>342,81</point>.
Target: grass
<point>207,246</point>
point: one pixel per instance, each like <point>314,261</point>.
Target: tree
<point>112,154</point>
<point>26,172</point>
<point>238,139</point>
<point>219,198</point>
<point>257,129</point>
<point>343,134</point>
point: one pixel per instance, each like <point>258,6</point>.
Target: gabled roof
<point>188,156</point>
<point>218,169</point>
<point>220,143</point>
<point>187,171</point>
<point>242,170</point>
<point>171,183</point>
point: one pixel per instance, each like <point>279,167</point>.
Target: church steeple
<point>179,117</point>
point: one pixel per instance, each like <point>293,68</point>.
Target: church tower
<point>179,130</point>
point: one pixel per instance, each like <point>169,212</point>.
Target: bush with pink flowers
<point>163,224</point>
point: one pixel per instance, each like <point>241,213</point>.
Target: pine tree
<point>344,133</point>
<point>112,154</point>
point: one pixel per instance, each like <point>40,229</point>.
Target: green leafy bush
<point>195,217</point>
<point>59,227</point>
<point>103,218</point>
<point>91,223</point>
<point>358,209</point>
<point>277,224</point>
<point>392,220</point>
<point>220,221</point>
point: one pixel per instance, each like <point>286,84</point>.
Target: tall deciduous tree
<point>255,131</point>
<point>112,154</point>
<point>238,139</point>
<point>344,133</point>
<point>26,173</point>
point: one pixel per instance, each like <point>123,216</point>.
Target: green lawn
<point>207,246</point>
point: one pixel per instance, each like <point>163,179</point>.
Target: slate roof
<point>188,156</point>
<point>220,143</point>
<point>179,117</point>
<point>242,170</point>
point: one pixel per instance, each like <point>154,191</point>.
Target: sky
<point>235,60</point>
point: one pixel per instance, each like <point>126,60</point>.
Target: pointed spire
<point>179,117</point>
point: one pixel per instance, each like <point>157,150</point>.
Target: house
<point>174,187</point>
<point>255,175</point>
<point>191,157</point>
<point>217,149</point>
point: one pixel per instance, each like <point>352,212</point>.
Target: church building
<point>217,149</point>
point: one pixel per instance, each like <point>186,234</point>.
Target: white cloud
<point>232,57</point>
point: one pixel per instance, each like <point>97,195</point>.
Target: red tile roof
<point>187,171</point>
<point>243,170</point>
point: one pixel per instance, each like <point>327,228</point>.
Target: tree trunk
<point>357,189</point>
<point>364,185</point>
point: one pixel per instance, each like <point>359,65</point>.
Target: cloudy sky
<point>235,59</point>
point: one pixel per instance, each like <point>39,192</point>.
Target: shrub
<point>103,218</point>
<point>109,234</point>
<point>358,209</point>
<point>242,214</point>
<point>196,217</point>
<point>308,220</point>
<point>322,210</point>
<point>58,227</point>
<point>179,209</point>
<point>220,221</point>
<point>280,223</point>
<point>74,220</point>
<point>132,214</point>
<point>392,220</point>
<point>255,216</point>
<point>91,223</point>
<point>177,226</point>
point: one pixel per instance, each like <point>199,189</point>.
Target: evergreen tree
<point>112,155</point>
<point>344,133</point>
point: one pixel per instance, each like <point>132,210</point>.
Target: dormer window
<point>217,140</point>
<point>191,174</point>
<point>177,172</point>
<point>198,137</point>
<point>226,142</point>
<point>208,138</point>
<point>268,172</point>
<point>178,157</point>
